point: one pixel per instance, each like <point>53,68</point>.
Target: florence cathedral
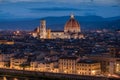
<point>71,30</point>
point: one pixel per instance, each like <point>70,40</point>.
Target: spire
<point>72,16</point>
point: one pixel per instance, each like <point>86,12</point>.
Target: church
<point>72,29</point>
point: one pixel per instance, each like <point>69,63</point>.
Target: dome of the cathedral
<point>72,25</point>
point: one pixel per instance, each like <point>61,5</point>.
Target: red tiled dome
<point>72,25</point>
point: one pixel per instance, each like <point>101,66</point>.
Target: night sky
<point>28,9</point>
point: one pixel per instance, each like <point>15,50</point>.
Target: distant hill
<point>57,23</point>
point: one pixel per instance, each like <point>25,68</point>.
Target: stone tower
<point>43,29</point>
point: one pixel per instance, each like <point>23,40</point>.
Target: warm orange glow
<point>93,72</point>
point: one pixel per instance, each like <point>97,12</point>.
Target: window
<point>89,69</point>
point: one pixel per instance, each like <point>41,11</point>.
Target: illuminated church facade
<point>71,30</point>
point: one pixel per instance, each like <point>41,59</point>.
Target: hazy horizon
<point>13,13</point>
<point>23,9</point>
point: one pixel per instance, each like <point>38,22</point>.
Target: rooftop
<point>69,57</point>
<point>87,61</point>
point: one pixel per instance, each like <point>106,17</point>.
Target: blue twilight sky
<point>24,9</point>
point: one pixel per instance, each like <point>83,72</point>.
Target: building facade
<point>74,65</point>
<point>16,63</point>
<point>88,67</point>
<point>109,65</point>
<point>5,59</point>
<point>44,66</point>
<point>67,65</point>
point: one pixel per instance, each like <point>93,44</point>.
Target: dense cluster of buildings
<point>87,65</point>
<point>68,52</point>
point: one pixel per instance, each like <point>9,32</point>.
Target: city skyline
<point>59,39</point>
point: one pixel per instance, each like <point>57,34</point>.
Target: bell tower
<point>43,29</point>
